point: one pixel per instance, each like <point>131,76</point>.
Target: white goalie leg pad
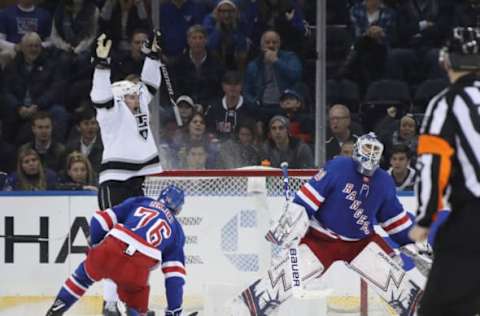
<point>266,294</point>
<point>399,288</point>
<point>290,227</point>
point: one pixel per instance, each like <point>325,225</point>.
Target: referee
<point>449,171</point>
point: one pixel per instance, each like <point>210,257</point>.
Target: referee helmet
<point>462,50</point>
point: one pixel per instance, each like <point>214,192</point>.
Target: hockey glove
<point>102,51</point>
<point>152,47</point>
<point>290,227</point>
<point>175,312</point>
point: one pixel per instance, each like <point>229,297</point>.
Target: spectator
<point>131,62</point>
<point>227,38</point>
<point>89,142</point>
<point>405,134</point>
<point>176,17</point>
<point>225,113</point>
<point>30,174</point>
<point>186,108</point>
<point>18,20</point>
<point>240,150</point>
<point>74,28</point>
<point>195,157</point>
<point>373,24</point>
<point>347,148</point>
<point>339,122</point>
<point>302,124</point>
<point>467,13</point>
<point>282,147</point>
<point>7,154</point>
<point>284,16</point>
<point>195,134</point>
<point>400,170</point>
<point>51,152</point>
<point>422,28</point>
<point>273,71</point>
<point>198,72</point>
<point>34,84</point>
<point>119,18</point>
<point>78,174</point>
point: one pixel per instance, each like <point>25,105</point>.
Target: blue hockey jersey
<point>147,226</point>
<point>345,204</point>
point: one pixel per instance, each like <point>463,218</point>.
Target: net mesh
<point>340,302</point>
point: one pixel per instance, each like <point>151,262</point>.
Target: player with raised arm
<point>331,218</point>
<point>129,151</point>
<point>128,241</point>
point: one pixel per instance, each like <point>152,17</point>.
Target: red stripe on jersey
<point>310,196</point>
<point>174,269</point>
<point>397,223</point>
<point>74,288</point>
<point>106,218</point>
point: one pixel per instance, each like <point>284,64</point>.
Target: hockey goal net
<point>225,217</point>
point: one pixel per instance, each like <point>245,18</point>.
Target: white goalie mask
<point>367,152</point>
<point>125,87</point>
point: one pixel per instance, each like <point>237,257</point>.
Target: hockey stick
<point>171,94</point>
<point>24,238</point>
<point>294,262</point>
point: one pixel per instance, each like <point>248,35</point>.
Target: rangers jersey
<point>130,148</point>
<point>147,226</point>
<point>345,204</point>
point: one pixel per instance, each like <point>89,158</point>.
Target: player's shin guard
<point>399,288</point>
<point>73,288</point>
<point>264,295</point>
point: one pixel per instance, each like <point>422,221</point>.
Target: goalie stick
<point>293,254</point>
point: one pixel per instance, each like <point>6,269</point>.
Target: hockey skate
<point>57,309</point>
<point>110,309</point>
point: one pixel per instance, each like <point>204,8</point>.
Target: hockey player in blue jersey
<point>128,241</point>
<point>331,218</point>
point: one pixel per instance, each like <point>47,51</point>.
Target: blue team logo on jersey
<point>357,211</point>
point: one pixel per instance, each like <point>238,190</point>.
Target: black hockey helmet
<point>463,49</point>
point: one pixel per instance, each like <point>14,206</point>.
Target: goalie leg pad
<point>400,289</point>
<point>266,294</point>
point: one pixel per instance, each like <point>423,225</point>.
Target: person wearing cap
<point>268,75</point>
<point>302,123</point>
<point>186,107</point>
<point>198,72</point>
<point>449,174</point>
<point>280,146</point>
<point>227,37</point>
<point>225,113</point>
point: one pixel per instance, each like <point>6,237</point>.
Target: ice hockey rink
<point>225,248</point>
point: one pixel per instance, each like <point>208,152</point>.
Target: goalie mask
<point>173,198</point>
<point>367,152</point>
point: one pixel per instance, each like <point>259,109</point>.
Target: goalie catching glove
<point>102,51</point>
<point>290,227</point>
<point>153,47</point>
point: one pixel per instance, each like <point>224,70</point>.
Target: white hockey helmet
<point>367,152</point>
<point>125,87</point>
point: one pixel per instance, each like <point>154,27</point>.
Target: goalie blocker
<point>341,203</point>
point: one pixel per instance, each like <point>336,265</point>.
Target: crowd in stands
<point>244,74</point>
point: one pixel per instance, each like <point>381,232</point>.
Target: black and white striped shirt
<point>449,150</point>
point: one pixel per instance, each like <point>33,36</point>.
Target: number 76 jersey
<point>147,226</point>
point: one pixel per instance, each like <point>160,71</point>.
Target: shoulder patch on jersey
<point>320,174</point>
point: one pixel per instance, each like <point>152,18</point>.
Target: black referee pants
<point>453,286</point>
<point>111,193</point>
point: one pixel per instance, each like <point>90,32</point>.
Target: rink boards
<point>225,244</point>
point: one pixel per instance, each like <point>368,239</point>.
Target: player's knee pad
<point>265,294</point>
<point>399,288</point>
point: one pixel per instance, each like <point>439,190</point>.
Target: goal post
<point>225,217</point>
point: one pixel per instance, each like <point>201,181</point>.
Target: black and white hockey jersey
<point>130,148</point>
